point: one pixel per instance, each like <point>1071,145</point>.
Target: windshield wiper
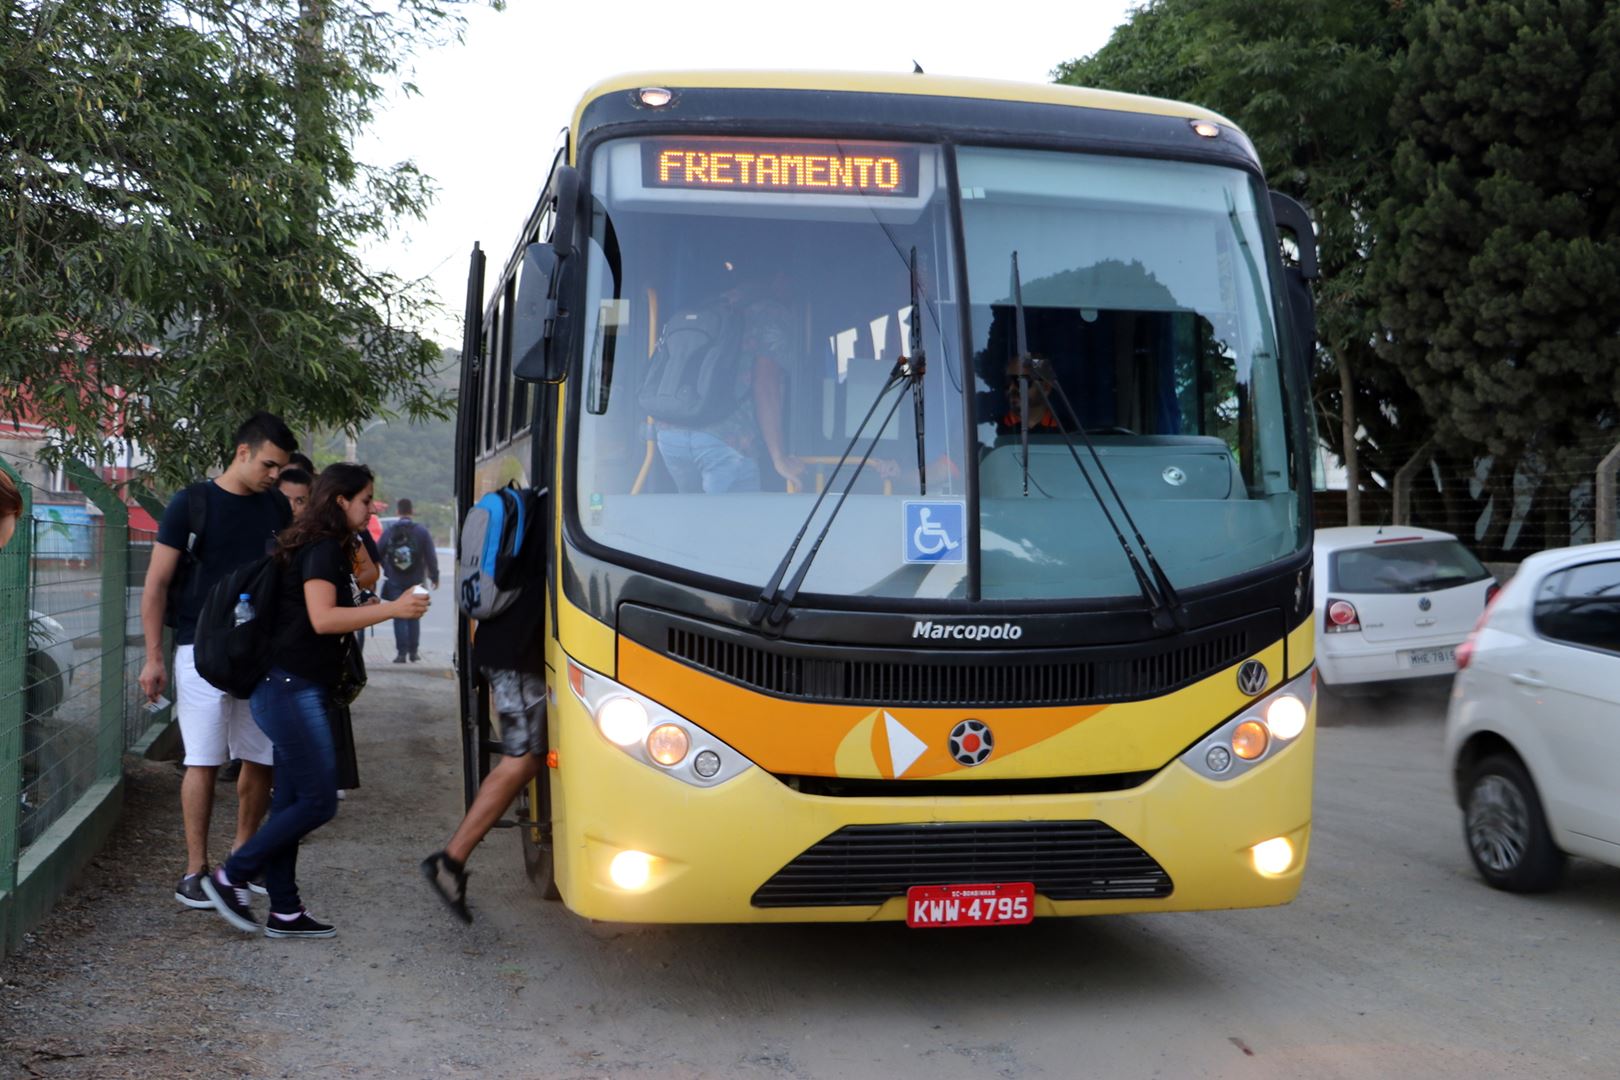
<point>919,365</point>
<point>1159,593</point>
<point>774,600</point>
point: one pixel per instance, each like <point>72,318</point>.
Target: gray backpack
<point>692,376</point>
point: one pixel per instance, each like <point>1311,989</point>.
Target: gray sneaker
<point>190,891</point>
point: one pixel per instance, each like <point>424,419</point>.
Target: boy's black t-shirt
<point>514,640</point>
<point>236,530</point>
<point>295,647</point>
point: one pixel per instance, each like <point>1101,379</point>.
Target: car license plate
<point>1007,903</point>
<point>1430,657</point>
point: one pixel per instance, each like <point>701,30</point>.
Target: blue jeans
<point>294,713</point>
<point>703,462</point>
<point>407,632</point>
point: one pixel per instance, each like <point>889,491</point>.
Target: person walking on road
<point>408,559</point>
<point>208,530</point>
<point>318,609</point>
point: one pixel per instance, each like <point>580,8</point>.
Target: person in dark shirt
<point>242,515</point>
<point>408,560</point>
<point>317,612</point>
<point>509,649</point>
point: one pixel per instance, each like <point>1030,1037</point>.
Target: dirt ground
<point>1395,960</point>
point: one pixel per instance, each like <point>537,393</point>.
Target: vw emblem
<point>971,742</point>
<point>1425,604</point>
<point>1174,476</point>
<point>1252,677</point>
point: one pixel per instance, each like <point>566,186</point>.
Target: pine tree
<point>1499,269</point>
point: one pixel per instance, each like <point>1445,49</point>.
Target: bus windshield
<point>748,299</point>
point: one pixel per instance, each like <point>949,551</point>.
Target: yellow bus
<point>929,535</point>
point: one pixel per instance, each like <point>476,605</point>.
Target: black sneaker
<point>449,880</point>
<point>303,926</point>
<point>415,659</point>
<point>400,659</point>
<point>190,891</point>
<point>233,902</point>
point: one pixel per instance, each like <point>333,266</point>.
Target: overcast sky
<point>487,120</point>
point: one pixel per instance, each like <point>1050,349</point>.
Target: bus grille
<point>958,680</point>
<point>868,864</point>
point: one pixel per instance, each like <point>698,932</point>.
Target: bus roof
<point>900,83</point>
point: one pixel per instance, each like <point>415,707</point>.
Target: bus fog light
<point>1219,759</point>
<point>667,744</point>
<point>706,764</point>
<point>1274,856</point>
<point>632,869</point>
<point>622,720</point>
<point>1286,716</point>
<point>1249,740</point>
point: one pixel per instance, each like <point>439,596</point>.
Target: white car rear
<point>1393,603</point>
<point>1534,724</point>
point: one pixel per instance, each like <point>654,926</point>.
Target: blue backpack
<point>494,549</point>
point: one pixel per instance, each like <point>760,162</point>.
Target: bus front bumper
<point>708,850</point>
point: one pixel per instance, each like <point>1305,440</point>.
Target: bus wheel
<point>537,854</point>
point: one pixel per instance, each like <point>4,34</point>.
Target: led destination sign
<point>772,165</point>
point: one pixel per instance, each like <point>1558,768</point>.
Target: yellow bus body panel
<point>712,848</point>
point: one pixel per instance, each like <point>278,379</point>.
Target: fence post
<point>1403,485</point>
<point>1608,471</point>
<point>114,596</point>
<point>14,563</point>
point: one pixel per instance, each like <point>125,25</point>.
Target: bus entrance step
<point>505,823</point>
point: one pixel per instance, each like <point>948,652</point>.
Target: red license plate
<point>1005,903</point>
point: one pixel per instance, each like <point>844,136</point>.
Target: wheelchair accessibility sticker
<point>936,532</point>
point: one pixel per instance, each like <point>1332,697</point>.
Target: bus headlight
<point>667,744</point>
<point>1286,716</point>
<point>658,737</point>
<point>622,719</point>
<point>1260,731</point>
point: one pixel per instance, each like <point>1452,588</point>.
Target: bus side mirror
<point>540,316</point>
<point>536,354</point>
<point>1297,277</point>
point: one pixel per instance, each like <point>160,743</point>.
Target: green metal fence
<point>70,705</point>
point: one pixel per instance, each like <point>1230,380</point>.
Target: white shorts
<point>214,725</point>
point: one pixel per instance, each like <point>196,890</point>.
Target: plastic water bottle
<point>244,609</point>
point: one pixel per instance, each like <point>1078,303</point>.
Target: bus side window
<point>486,407</point>
<point>503,370</point>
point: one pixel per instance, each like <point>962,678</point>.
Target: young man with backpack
<point>408,559</point>
<point>209,529</point>
<point>501,582</point>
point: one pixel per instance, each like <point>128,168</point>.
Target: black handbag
<point>352,676</point>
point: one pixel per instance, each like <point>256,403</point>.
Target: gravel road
<point>1394,961</point>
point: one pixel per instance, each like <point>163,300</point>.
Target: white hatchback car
<point>1393,602</point>
<point>1533,730</point>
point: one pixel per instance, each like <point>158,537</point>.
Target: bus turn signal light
<point>1249,740</point>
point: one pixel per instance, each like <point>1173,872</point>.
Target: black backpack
<point>234,658</point>
<point>400,554</point>
<point>692,377</point>
<point>184,582</point>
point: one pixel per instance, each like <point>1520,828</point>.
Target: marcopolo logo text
<point>967,631</point>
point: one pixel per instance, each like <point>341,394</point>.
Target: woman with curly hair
<point>317,610</point>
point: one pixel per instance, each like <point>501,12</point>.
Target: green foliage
<point>181,219</point>
<point>1501,270</point>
